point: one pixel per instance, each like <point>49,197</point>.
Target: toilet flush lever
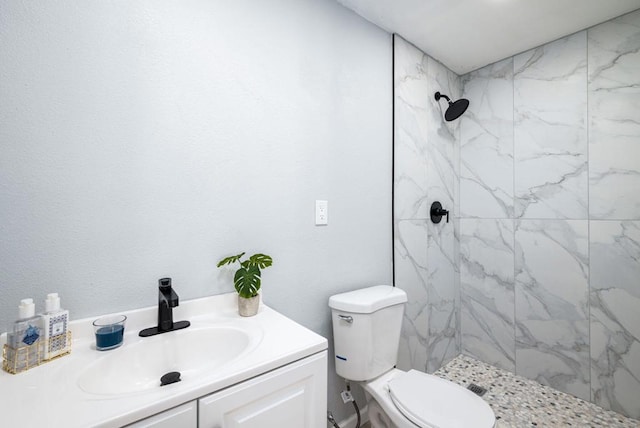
<point>346,318</point>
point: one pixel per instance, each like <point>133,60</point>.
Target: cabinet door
<point>294,396</point>
<point>185,416</point>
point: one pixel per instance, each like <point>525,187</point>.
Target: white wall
<point>151,138</point>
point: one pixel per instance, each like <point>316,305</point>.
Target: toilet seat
<point>432,402</point>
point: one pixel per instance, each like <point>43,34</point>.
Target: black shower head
<point>455,109</point>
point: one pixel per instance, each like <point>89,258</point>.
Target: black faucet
<point>167,300</point>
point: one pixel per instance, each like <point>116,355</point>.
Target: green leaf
<point>229,260</point>
<point>247,280</point>
<point>261,260</point>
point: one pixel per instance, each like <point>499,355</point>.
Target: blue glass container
<point>109,332</point>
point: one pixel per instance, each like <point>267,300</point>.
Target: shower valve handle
<point>437,212</point>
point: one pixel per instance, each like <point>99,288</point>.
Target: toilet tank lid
<point>368,300</point>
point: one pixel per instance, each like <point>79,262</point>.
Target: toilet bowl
<point>415,399</point>
<point>366,332</point>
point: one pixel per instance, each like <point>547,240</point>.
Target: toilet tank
<point>366,330</point>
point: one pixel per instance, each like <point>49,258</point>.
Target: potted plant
<point>247,280</point>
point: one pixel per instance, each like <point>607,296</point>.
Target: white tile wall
<point>550,214</point>
<point>426,170</point>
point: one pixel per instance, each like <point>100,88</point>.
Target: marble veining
<point>551,301</point>
<point>412,276</point>
<point>443,287</point>
<point>426,170</point>
<point>519,402</point>
<point>614,118</point>
<point>537,271</point>
<point>566,185</point>
<point>550,131</point>
<point>552,269</point>
<point>442,136</point>
<point>486,143</point>
<point>486,265</point>
<point>442,291</point>
<point>410,144</point>
<point>615,318</point>
<point>410,204</point>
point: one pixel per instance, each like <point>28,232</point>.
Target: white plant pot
<point>248,307</point>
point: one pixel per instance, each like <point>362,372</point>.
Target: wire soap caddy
<point>23,358</point>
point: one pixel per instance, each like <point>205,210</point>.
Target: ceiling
<point>468,34</point>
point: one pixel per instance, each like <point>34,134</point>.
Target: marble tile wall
<point>614,119</point>
<point>615,315</point>
<point>550,214</point>
<point>442,247</point>
<point>412,275</point>
<point>486,143</point>
<point>487,282</point>
<point>614,210</point>
<point>426,169</point>
<point>551,310</point>
<point>550,130</point>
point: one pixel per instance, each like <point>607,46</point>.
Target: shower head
<point>455,109</point>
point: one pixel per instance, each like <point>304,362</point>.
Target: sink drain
<point>476,389</point>
<point>169,378</point>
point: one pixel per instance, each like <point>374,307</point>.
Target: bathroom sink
<point>138,367</point>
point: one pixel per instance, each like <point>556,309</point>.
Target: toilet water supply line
<point>346,397</point>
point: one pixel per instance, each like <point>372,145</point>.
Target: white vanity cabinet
<point>185,416</point>
<point>291,396</point>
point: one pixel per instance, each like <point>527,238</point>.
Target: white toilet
<point>366,335</point>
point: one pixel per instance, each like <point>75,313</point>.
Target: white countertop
<point>49,395</point>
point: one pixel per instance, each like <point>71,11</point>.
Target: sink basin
<point>193,352</point>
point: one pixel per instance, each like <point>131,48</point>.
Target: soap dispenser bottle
<point>26,338</point>
<point>56,323</point>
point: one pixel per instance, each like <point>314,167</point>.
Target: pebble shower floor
<point>521,403</point>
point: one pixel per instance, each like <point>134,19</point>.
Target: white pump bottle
<point>56,323</point>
